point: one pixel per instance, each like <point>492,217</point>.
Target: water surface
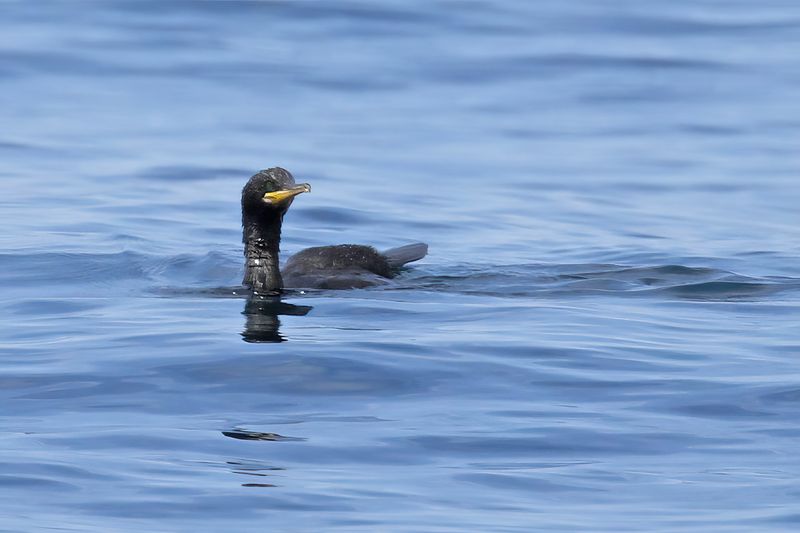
<point>604,336</point>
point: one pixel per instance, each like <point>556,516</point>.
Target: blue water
<point>604,336</point>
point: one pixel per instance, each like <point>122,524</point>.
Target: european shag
<point>265,200</point>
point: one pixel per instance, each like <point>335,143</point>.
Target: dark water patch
<point>638,235</point>
<point>49,470</point>
<point>188,343</point>
<point>726,411</point>
<point>127,238</point>
<point>619,390</point>
<point>33,483</point>
<point>56,268</point>
<point>321,14</point>
<point>211,506</point>
<point>530,466</point>
<point>791,396</point>
<point>10,382</point>
<point>116,440</point>
<point>81,229</point>
<point>335,418</point>
<point>138,34</point>
<point>73,389</point>
<point>302,376</point>
<point>625,97</point>
<point>501,69</point>
<point>370,454</point>
<point>792,519</point>
<point>51,306</point>
<point>649,274</point>
<point>514,281</point>
<point>625,362</point>
<point>692,26</point>
<point>11,147</point>
<point>263,71</point>
<point>569,442</point>
<point>153,37</point>
<point>30,63</point>
<point>712,130</point>
<point>530,484</point>
<point>355,12</point>
<point>728,290</point>
<point>242,434</point>
<point>562,414</point>
<point>785,348</point>
<point>333,216</point>
<point>33,64</point>
<point>348,86</point>
<point>639,63</point>
<point>191,173</point>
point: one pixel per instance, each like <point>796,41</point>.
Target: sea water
<point>605,335</point>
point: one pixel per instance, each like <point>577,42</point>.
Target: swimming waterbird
<point>265,200</point>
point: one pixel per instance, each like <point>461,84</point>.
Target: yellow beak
<point>277,197</point>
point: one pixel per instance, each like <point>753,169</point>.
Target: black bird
<point>265,200</point>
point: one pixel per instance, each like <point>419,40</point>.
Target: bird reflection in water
<point>251,468</point>
<point>261,317</point>
<point>254,469</point>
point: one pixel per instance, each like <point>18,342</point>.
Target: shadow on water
<point>261,318</point>
<point>243,434</point>
<point>251,468</point>
<point>254,469</point>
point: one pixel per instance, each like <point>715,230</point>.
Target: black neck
<point>261,250</point>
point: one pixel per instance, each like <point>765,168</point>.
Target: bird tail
<point>401,255</point>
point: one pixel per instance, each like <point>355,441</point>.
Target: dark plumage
<point>265,200</point>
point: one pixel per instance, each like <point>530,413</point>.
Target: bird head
<point>269,193</point>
